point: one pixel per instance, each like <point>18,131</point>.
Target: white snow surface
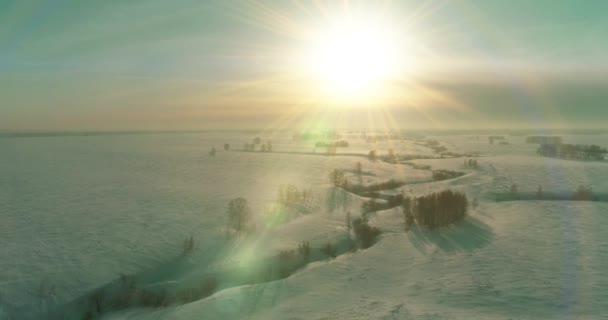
<point>76,212</point>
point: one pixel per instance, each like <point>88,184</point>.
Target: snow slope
<point>76,212</point>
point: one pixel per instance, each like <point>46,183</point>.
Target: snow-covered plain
<point>77,212</point>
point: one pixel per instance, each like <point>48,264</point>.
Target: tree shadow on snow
<point>469,235</point>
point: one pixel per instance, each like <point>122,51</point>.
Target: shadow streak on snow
<point>467,236</point>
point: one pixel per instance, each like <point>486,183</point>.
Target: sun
<point>355,58</point>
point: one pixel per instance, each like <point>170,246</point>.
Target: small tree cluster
<point>257,140</point>
<point>212,152</point>
<point>226,146</point>
<point>336,177</point>
<point>289,194</point>
<point>239,215</point>
<point>266,147</point>
<point>437,209</point>
<point>304,249</point>
<point>249,147</point>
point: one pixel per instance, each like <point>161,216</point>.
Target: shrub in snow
<point>372,155</point>
<point>583,193</point>
<point>513,191</point>
<point>366,234</point>
<point>358,168</point>
<point>330,250</point>
<point>188,246</point>
<point>304,249</point>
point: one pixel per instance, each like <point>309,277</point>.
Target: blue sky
<point>88,65</point>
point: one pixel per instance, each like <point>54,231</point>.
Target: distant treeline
<point>339,144</point>
<point>491,139</point>
<point>582,193</point>
<point>572,151</point>
<point>544,139</point>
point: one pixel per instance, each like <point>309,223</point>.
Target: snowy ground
<point>77,212</point>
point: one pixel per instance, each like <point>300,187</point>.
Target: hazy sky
<point>180,64</point>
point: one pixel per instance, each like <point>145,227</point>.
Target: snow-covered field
<point>77,212</point>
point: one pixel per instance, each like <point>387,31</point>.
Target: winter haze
<point>303,159</point>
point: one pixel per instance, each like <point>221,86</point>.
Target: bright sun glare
<point>355,58</point>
